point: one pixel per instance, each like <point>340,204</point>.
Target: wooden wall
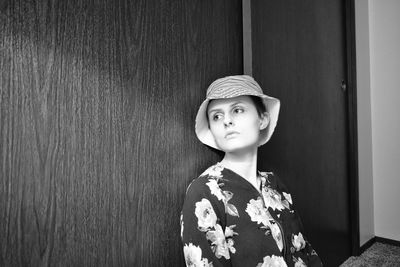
<point>97,107</point>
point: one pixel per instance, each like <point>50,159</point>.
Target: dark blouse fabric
<point>226,221</point>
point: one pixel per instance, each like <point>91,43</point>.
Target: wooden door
<point>299,56</point>
<point>97,108</point>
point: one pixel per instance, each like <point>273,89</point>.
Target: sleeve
<point>202,228</point>
<point>302,253</point>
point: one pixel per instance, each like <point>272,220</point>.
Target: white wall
<point>366,201</point>
<point>384,44</point>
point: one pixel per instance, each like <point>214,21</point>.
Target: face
<point>235,123</point>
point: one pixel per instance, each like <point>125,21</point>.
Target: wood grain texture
<point>299,56</point>
<point>97,108</point>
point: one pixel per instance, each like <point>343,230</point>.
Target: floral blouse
<point>225,221</point>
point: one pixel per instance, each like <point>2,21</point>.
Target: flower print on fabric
<point>277,235</point>
<point>229,233</point>
<point>259,214</point>
<point>298,262</point>
<point>215,189</point>
<point>273,261</point>
<point>273,199</point>
<point>214,234</point>
<point>265,175</point>
<point>224,196</point>
<point>288,197</point>
<point>193,258</point>
<point>181,225</point>
<point>214,171</point>
<point>314,253</point>
<point>206,217</point>
<point>298,241</point>
<point>220,245</point>
<point>218,242</point>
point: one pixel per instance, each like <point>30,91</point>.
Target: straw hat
<point>229,87</point>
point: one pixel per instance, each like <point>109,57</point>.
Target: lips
<point>231,135</point>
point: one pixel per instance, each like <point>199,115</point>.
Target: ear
<point>264,121</point>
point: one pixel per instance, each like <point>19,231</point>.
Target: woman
<point>234,215</point>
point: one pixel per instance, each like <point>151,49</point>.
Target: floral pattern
<point>182,225</point>
<point>298,241</point>
<point>223,214</point>
<point>221,245</point>
<point>214,171</point>
<point>215,189</point>
<point>272,198</point>
<point>224,196</point>
<point>260,214</point>
<point>298,262</point>
<point>273,261</point>
<point>288,197</point>
<point>193,257</point>
<point>206,217</point>
<point>257,212</point>
<point>221,242</point>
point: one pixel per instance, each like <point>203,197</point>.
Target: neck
<point>244,164</point>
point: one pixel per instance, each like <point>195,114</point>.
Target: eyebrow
<point>218,109</point>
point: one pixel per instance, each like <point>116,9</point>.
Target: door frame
<point>352,126</point>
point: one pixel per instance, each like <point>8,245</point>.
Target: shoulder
<point>205,181</point>
<point>214,171</point>
<point>204,190</point>
<point>274,181</point>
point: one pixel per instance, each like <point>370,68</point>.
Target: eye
<point>216,116</point>
<point>238,110</point>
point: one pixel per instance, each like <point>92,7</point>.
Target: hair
<point>259,104</point>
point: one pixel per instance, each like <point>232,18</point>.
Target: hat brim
<point>204,134</point>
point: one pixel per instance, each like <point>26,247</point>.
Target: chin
<point>237,148</point>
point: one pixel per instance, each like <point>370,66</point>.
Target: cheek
<point>215,129</point>
<point>250,123</point>
<point>252,128</point>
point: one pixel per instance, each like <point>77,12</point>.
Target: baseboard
<point>367,245</point>
<point>387,241</point>
<point>379,239</point>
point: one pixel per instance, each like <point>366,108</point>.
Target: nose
<point>228,121</point>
